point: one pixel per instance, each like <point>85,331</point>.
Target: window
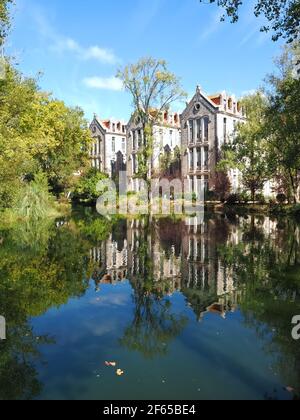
<point>161,135</point>
<point>225,129</point>
<point>199,130</point>
<point>140,138</point>
<point>114,128</point>
<point>171,138</point>
<point>206,183</point>
<point>206,128</point>
<point>113,145</point>
<point>206,157</point>
<point>199,158</point>
<point>191,130</point>
<point>123,145</point>
<point>99,145</point>
<point>134,166</point>
<point>134,140</point>
<point>191,159</point>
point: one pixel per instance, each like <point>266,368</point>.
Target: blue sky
<point>78,46</point>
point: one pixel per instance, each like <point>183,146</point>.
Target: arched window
<point>230,103</point>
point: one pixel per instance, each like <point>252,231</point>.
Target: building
<point>207,123</point>
<point>166,139</point>
<point>109,151</point>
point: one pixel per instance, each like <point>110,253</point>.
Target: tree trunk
<point>294,189</point>
<point>253,191</point>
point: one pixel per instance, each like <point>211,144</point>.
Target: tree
<point>67,141</point>
<point>4,19</point>
<point>283,121</point>
<point>222,185</point>
<point>283,15</point>
<point>37,134</point>
<point>248,151</point>
<point>86,188</point>
<point>153,89</point>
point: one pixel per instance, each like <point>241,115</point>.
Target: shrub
<point>296,210</point>
<point>86,188</point>
<point>281,198</point>
<point>35,200</point>
<point>244,197</point>
<point>260,198</point>
<point>210,196</point>
<point>233,199</point>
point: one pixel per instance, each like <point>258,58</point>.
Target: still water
<point>185,312</point>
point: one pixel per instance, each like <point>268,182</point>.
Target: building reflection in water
<point>183,258</point>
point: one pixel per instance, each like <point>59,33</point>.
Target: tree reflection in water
<point>229,263</point>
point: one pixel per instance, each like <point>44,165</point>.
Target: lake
<point>186,312</point>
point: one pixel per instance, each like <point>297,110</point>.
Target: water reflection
<point>229,265</point>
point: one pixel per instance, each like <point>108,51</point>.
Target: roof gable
<point>201,99</point>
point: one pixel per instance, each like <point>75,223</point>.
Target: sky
<point>75,47</point>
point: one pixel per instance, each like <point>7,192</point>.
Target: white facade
<point>166,138</point>
<point>110,140</point>
<point>229,114</point>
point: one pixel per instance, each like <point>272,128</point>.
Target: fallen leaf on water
<point>120,372</point>
<point>111,364</point>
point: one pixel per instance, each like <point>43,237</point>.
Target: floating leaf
<point>111,364</point>
<point>120,372</point>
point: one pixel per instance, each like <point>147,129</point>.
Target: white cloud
<point>106,83</point>
<point>103,55</point>
<point>100,54</point>
<point>62,44</point>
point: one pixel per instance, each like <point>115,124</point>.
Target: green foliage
<point>283,15</point>
<point>37,134</point>
<point>248,150</point>
<point>34,201</point>
<point>283,121</point>
<point>233,199</point>
<point>4,19</point>
<point>244,197</point>
<point>86,189</point>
